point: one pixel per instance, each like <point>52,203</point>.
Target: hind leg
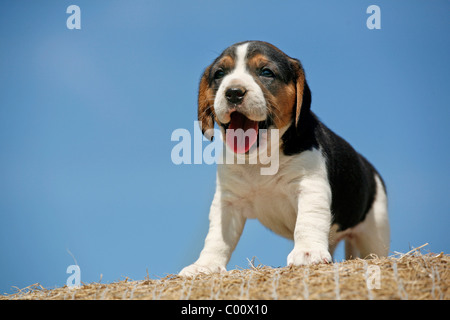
<point>372,236</point>
<point>351,251</point>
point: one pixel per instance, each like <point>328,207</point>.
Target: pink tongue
<point>242,133</point>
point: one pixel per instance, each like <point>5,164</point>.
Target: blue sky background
<point>86,118</point>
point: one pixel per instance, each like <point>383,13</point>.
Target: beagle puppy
<point>323,191</point>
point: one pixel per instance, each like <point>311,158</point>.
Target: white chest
<point>272,199</point>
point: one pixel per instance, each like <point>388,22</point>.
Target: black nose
<point>235,95</point>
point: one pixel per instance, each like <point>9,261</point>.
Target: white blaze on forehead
<point>241,53</point>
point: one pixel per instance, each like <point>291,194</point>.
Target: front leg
<point>313,222</point>
<point>225,229</point>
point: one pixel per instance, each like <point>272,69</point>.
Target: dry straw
<point>402,276</point>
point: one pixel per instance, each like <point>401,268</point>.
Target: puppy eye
<point>266,72</point>
<point>219,74</point>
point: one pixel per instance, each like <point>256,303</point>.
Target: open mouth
<point>242,132</point>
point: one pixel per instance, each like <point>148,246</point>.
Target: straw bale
<point>402,276</point>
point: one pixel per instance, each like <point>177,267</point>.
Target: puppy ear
<point>206,106</point>
<point>303,99</point>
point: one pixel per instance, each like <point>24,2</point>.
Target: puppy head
<point>252,85</point>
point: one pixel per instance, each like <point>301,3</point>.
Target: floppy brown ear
<point>303,99</point>
<point>206,106</point>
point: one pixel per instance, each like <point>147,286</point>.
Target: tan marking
<point>226,63</point>
<point>285,100</point>
<point>206,105</point>
<point>257,61</point>
<point>299,87</point>
<point>281,105</point>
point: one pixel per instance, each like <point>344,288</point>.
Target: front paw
<point>307,256</point>
<point>195,269</point>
